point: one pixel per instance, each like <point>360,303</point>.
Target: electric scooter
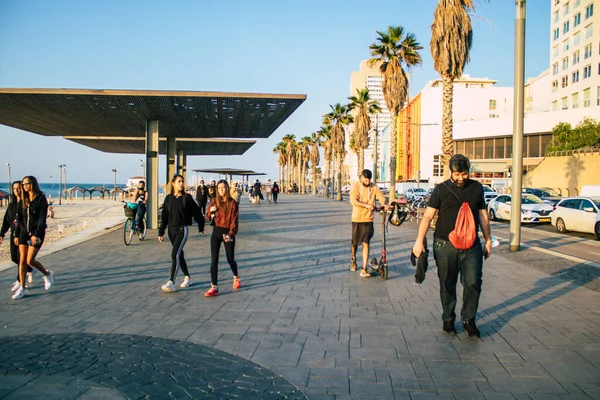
<point>398,212</point>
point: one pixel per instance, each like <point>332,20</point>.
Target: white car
<point>533,209</point>
<point>416,194</point>
<point>489,193</point>
<point>579,214</point>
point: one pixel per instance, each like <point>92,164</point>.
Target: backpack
<point>464,234</point>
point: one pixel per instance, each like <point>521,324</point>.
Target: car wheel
<point>560,226</point>
<point>492,215</point>
<point>597,230</point>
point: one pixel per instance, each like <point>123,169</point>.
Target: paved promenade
<point>302,326</point>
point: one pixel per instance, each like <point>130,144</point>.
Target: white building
<point>574,54</point>
<point>372,79</point>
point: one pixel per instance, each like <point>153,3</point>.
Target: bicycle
<point>131,225</point>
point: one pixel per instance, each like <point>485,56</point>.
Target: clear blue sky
<point>270,46</point>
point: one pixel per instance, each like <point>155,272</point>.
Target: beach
<point>83,216</point>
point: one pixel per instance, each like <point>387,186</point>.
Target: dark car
<point>546,194</point>
<point>489,193</point>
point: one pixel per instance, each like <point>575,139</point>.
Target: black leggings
<point>215,247</point>
<point>178,237</point>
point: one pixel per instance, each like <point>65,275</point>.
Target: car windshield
<point>419,190</point>
<point>597,203</point>
<point>488,189</point>
<point>531,199</point>
<point>549,193</point>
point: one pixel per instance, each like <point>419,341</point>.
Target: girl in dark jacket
<point>224,211</point>
<point>178,210</point>
<point>31,218</point>
<point>10,223</point>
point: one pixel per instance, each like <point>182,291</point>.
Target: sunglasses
<point>26,183</point>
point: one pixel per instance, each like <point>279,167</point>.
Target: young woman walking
<point>178,210</point>
<point>31,219</point>
<point>224,211</point>
<point>9,222</point>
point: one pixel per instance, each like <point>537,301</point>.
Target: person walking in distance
<point>235,192</point>
<point>31,220</point>
<point>9,222</point>
<point>275,192</point>
<point>178,210</point>
<point>140,197</point>
<point>269,191</point>
<point>212,190</point>
<point>202,196</point>
<point>224,211</point>
<point>362,198</point>
<point>446,201</point>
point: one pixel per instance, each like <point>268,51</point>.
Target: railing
<point>577,152</point>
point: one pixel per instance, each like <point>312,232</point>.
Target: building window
<point>566,45</point>
<point>577,20</point>
<point>566,8</point>
<point>565,27</point>
<point>555,51</point>
<point>555,105</point>
<point>534,146</point>
<point>499,148</point>
<point>587,51</point>
<point>565,63</point>
<point>598,96</point>
<point>576,38</point>
<point>575,77</point>
<point>545,142</point>
<point>587,71</point>
<point>575,100</point>
<point>564,103</point>
<point>577,3</point>
<point>460,147</point>
<point>589,11</point>
<point>556,34</point>
<point>478,149</point>
<point>489,148</point>
<point>492,105</point>
<point>508,153</point>
<point>554,68</point>
<point>438,166</point>
<point>555,17</point>
<point>564,81</point>
<point>576,57</point>
<point>586,97</point>
<point>469,148</point>
<point>554,86</point>
<point>589,31</point>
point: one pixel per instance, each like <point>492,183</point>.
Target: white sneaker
<point>31,275</point>
<point>187,282</point>
<point>168,287</point>
<point>48,280</point>
<point>16,286</point>
<point>19,294</point>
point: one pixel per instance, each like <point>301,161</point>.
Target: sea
<point>53,189</point>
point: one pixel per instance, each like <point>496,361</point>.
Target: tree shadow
<point>574,169</point>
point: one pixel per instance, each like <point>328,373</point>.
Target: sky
<point>267,46</point>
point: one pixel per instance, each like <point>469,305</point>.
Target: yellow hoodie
<point>362,194</point>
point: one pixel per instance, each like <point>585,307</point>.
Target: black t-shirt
<point>448,205</point>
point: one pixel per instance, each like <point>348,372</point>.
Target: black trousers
<point>178,237</point>
<point>215,247</point>
<point>202,205</point>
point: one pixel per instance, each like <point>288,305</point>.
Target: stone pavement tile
<point>454,371</point>
<point>498,396</point>
<point>46,391</point>
<point>493,369</point>
<point>370,390</point>
<point>430,395</point>
<point>573,372</point>
<point>101,394</point>
<point>13,382</point>
<point>526,385</point>
<point>526,370</point>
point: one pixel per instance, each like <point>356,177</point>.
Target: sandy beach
<point>82,215</point>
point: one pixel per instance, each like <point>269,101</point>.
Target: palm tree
<point>315,158</point>
<point>306,148</point>
<point>325,137</point>
<point>451,40</point>
<point>339,116</point>
<point>279,149</point>
<point>365,107</point>
<point>394,51</point>
<point>289,141</point>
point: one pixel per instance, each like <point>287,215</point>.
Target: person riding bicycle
<point>362,197</point>
<point>140,197</point>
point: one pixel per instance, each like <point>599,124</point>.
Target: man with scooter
<point>362,198</point>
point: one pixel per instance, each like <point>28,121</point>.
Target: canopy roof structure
<point>228,171</point>
<point>182,114</point>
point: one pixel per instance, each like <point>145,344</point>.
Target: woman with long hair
<point>9,222</point>
<point>224,211</point>
<point>178,210</point>
<point>31,218</point>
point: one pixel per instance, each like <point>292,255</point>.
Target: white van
<point>590,191</point>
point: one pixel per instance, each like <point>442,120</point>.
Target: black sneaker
<point>449,328</point>
<point>471,329</point>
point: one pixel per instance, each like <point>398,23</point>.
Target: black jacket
<point>10,220</point>
<point>33,218</point>
<point>178,212</point>
<point>202,194</point>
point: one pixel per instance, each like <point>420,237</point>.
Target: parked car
<point>416,194</point>
<point>489,193</point>
<point>429,193</point>
<point>346,189</point>
<point>578,214</point>
<point>546,194</point>
<point>533,209</point>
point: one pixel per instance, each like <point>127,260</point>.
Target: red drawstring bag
<point>464,234</point>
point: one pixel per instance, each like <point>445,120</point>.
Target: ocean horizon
<point>53,189</point>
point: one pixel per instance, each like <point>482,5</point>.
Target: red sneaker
<point>236,283</point>
<point>212,292</point>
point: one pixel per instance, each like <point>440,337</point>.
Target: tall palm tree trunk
<point>393,154</point>
<point>314,179</point>
<point>326,178</point>
<point>340,170</point>
<point>361,160</point>
<point>447,125</point>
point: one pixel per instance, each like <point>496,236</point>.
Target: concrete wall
<point>565,174</point>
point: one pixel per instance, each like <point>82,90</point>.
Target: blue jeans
<point>141,212</point>
<point>451,262</point>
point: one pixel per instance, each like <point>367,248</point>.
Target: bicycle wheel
<point>128,231</point>
<point>142,235</point>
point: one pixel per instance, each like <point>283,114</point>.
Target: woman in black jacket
<point>178,210</point>
<point>31,218</point>
<point>9,222</point>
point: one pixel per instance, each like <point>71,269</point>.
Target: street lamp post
<point>115,184</point>
<point>60,170</point>
<point>143,165</point>
<point>65,179</point>
<point>9,180</point>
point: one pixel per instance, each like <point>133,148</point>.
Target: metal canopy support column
<point>181,165</point>
<point>170,159</point>
<point>152,173</point>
